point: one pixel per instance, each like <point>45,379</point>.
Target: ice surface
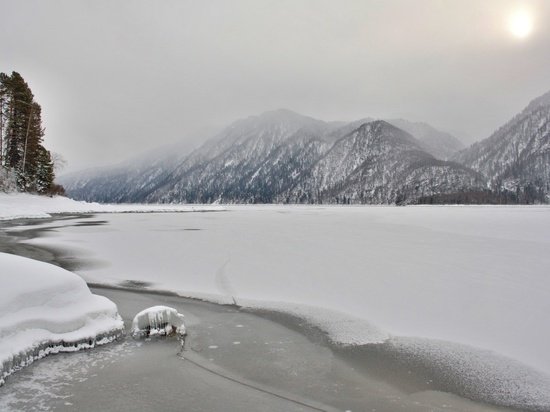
<point>471,275</point>
<point>45,309</point>
<point>469,286</point>
<point>23,205</point>
<point>158,320</point>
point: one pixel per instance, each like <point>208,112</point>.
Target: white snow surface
<point>23,205</point>
<point>158,320</point>
<point>45,309</point>
<point>341,328</point>
<point>471,275</point>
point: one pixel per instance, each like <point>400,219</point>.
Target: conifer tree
<point>44,171</point>
<point>21,135</point>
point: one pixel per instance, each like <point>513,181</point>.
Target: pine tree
<point>33,151</point>
<point>21,135</point>
<point>44,171</point>
<point>19,100</point>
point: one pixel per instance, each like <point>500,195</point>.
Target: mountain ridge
<point>281,156</point>
<point>515,159</point>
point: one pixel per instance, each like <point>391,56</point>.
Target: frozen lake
<point>476,276</point>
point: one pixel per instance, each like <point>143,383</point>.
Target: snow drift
<point>158,320</point>
<point>27,206</point>
<point>45,309</point>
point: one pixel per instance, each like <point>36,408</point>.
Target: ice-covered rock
<point>45,309</point>
<point>158,320</point>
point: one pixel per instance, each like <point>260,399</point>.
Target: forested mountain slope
<point>281,156</point>
<point>516,158</point>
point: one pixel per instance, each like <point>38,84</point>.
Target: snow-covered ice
<point>449,284</point>
<point>23,205</point>
<point>158,320</point>
<point>472,275</point>
<point>45,309</point>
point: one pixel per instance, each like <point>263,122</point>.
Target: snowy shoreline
<point>473,373</point>
<point>487,375</point>
<point>45,310</point>
<point>15,206</point>
<point>26,357</point>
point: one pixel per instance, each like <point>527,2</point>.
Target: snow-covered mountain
<point>516,158</point>
<point>379,163</point>
<point>282,156</point>
<point>441,145</point>
<point>253,160</point>
<point>119,183</point>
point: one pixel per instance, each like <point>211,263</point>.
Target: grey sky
<point>116,78</point>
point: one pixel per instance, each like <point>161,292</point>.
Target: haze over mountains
<point>284,157</point>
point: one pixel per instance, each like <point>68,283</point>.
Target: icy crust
<point>471,372</point>
<point>158,320</point>
<point>45,309</point>
<point>468,371</point>
<point>339,328</point>
<point>475,373</point>
<point>43,349</point>
<point>26,206</point>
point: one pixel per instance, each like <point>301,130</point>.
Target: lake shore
<point>233,360</point>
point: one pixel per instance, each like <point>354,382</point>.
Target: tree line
<point>25,164</point>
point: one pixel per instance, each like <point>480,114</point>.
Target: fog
<point>118,78</point>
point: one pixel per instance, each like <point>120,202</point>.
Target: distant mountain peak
<point>440,144</point>
<point>285,115</point>
<point>283,119</point>
<point>376,124</point>
<point>541,101</point>
<point>516,158</point>
<point>281,112</point>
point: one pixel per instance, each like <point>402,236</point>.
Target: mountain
<point>516,159</point>
<point>380,163</point>
<point>118,183</point>
<point>440,144</point>
<point>136,180</point>
<point>281,156</point>
<point>247,162</point>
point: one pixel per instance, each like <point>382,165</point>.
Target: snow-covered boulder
<point>45,309</point>
<point>158,320</point>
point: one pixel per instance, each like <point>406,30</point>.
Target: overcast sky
<point>116,78</point>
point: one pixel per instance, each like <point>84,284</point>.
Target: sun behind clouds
<point>521,23</point>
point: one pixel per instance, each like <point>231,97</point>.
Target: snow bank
<point>158,320</point>
<point>340,328</point>
<point>45,309</point>
<point>23,205</point>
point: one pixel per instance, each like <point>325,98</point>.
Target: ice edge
<point>51,347</point>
